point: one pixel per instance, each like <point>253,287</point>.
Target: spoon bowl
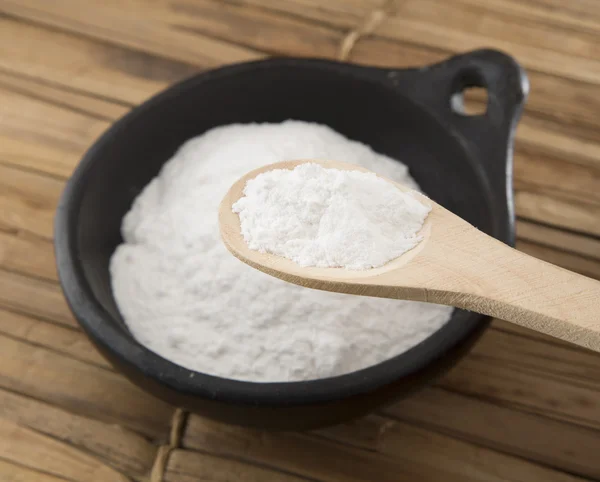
<point>286,269</point>
<point>454,264</point>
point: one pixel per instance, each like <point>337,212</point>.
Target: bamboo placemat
<point>521,407</point>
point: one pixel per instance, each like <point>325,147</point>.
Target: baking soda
<point>184,296</point>
<point>329,218</point>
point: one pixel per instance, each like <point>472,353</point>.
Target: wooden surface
<point>454,264</point>
<point>522,407</point>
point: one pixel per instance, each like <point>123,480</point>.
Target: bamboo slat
<point>59,96</point>
<point>558,16</point>
<point>64,340</point>
<point>27,202</point>
<point>565,240</point>
<point>465,461</point>
<point>410,28</point>
<point>530,390</point>
<point>551,175</point>
<point>190,466</point>
<point>578,7</point>
<point>80,387</point>
<point>301,455</point>
<point>17,473</point>
<point>505,26</point>
<point>34,297</point>
<point>578,13</point>
<point>577,216</point>
<point>346,14</point>
<point>565,361</point>
<point>85,439</point>
<point>129,29</point>
<point>374,448</point>
<point>81,65</point>
<point>562,257</point>
<point>38,451</point>
<point>258,29</point>
<point>552,443</point>
<point>553,142</point>
<point>21,113</point>
<point>38,135</point>
<point>28,255</point>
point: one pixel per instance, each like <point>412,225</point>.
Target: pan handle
<point>435,86</point>
<point>489,136</point>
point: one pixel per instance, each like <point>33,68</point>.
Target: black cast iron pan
<point>462,162</point>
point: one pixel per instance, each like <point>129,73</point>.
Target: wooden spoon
<point>455,264</point>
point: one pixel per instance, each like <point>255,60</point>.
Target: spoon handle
<point>507,284</point>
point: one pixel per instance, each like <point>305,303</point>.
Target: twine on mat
<point>367,27</point>
<point>162,456</point>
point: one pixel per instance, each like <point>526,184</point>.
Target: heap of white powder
<point>184,296</point>
<point>329,218</point>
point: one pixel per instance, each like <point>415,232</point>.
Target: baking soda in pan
<point>184,296</point>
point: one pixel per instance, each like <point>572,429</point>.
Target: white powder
<point>329,218</point>
<point>184,296</point>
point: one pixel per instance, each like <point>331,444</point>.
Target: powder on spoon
<point>185,297</point>
<point>329,218</point>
